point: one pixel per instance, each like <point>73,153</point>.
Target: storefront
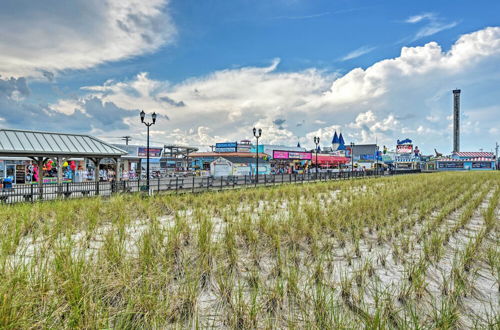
<point>329,161</point>
<point>407,162</point>
<point>240,166</point>
<point>45,157</point>
<point>284,161</point>
<point>455,164</point>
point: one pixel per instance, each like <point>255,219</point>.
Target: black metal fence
<point>35,192</point>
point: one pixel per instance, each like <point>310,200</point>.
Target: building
<point>202,160</point>
<point>134,162</point>
<point>227,166</point>
<point>466,161</point>
<point>268,149</point>
<point>365,155</point>
<point>51,157</point>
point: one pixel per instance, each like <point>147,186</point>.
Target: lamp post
<point>316,142</point>
<point>352,157</point>
<point>148,124</point>
<point>257,134</point>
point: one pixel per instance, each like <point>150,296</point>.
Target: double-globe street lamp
<point>316,142</point>
<point>257,134</point>
<point>148,124</point>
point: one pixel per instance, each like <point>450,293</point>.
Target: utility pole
<point>126,138</point>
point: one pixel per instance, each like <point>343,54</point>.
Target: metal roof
<point>35,143</point>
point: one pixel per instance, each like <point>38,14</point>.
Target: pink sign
<point>279,154</point>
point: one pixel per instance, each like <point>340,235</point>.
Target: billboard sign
<point>404,148</point>
<point>226,147</point>
<point>451,165</point>
<point>367,157</point>
<point>281,154</point>
<point>153,152</point>
<point>481,164</point>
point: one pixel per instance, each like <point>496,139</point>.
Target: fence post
<point>193,184</point>
<point>245,179</point>
<point>221,179</point>
<point>176,183</point>
<point>158,184</point>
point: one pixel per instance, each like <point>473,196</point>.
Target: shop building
<point>284,161</point>
<point>465,161</point>
<point>134,162</point>
<point>45,157</point>
<point>463,164</point>
<point>239,166</point>
<point>327,161</point>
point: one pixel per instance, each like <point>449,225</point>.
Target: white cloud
<point>357,53</point>
<point>434,28</point>
<point>50,36</point>
<point>420,17</point>
<point>434,25</point>
<point>407,96</point>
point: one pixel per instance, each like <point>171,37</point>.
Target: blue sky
<point>213,69</point>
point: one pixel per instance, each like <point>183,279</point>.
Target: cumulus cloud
<point>38,38</point>
<point>88,114</point>
<point>406,96</point>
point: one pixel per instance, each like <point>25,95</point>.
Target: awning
<point>330,160</point>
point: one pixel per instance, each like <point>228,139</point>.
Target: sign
<point>226,145</point>
<point>221,167</point>
<point>450,165</point>
<point>241,169</point>
<point>153,152</point>
<point>404,148</point>
<point>225,149</point>
<point>367,157</point>
<point>280,154</point>
<point>481,164</point>
<point>405,141</point>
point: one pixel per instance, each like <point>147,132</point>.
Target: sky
<point>377,71</point>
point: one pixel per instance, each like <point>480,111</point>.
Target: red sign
<point>153,152</point>
<point>404,148</point>
<point>330,159</point>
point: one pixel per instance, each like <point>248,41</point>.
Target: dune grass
<point>398,252</point>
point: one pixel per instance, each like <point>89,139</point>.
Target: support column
<point>96,162</point>
<point>60,161</point>
<point>118,169</point>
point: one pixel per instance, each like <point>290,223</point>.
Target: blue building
<point>464,161</point>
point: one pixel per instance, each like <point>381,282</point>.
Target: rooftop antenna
<point>126,138</point>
